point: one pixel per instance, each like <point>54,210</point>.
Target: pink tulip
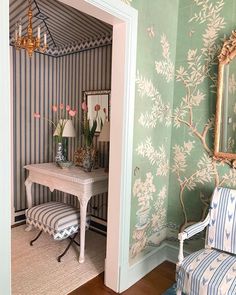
<point>67,108</point>
<point>54,108</point>
<point>61,106</point>
<point>72,113</point>
<point>84,107</point>
<point>37,115</point>
<point>97,107</point>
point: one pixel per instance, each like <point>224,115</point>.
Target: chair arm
<point>188,233</point>
<point>195,228</point>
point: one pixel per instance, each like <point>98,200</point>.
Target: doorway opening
<point>124,22</point>
<point>66,83</point>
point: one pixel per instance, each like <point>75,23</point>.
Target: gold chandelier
<point>29,42</point>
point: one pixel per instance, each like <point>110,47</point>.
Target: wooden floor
<point>155,283</point>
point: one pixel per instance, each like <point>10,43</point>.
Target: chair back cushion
<point>222,227</point>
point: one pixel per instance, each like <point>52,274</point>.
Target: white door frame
<point>123,18</point>
<point>124,21</point>
<point>5,154</point>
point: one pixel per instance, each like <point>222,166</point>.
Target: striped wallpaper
<point>38,83</point>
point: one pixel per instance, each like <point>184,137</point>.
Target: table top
<point>73,173</point>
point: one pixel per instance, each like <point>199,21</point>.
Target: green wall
<point>202,26</point>
<point>174,172</point>
<point>157,28</point>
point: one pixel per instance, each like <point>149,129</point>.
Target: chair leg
<point>72,240</point>
<point>38,235</point>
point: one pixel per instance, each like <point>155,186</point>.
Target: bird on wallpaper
<point>151,32</point>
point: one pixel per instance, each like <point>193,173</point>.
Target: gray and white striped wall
<point>38,83</point>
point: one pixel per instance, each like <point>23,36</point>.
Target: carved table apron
<point>73,181</point>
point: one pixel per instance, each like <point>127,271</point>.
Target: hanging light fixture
<point>29,42</point>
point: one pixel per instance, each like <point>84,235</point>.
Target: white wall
<point>5,160</point>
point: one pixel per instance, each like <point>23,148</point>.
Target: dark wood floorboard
<point>154,283</point>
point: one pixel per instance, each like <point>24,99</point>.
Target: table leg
<point>28,184</point>
<point>83,211</point>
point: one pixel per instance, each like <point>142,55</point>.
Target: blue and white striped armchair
<point>211,271</point>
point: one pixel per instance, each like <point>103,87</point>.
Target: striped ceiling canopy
<point>65,26</point>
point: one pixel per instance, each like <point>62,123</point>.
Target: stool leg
<point>78,244</point>
<point>38,235</point>
<point>68,246</point>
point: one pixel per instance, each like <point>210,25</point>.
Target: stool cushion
<point>58,219</point>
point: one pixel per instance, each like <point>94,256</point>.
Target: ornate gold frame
<point>227,54</point>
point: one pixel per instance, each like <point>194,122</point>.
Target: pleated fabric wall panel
<point>33,89</point>
<point>83,71</point>
<point>39,83</point>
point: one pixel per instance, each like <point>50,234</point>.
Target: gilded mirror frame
<point>228,53</point>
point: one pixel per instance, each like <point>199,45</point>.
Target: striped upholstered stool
<point>57,219</point>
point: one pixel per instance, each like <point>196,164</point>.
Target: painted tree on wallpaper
<point>199,68</point>
<point>197,72</point>
<point>152,209</point>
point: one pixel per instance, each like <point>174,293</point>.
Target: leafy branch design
<point>165,67</point>
<point>198,70</point>
<point>160,111</point>
<point>156,157</point>
<point>210,14</point>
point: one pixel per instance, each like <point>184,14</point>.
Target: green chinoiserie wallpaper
<point>174,172</point>
<point>157,31</point>
<point>202,28</point>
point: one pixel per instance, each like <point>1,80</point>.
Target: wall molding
<point>5,152</point>
<point>152,260</point>
<point>75,48</point>
<point>145,265</point>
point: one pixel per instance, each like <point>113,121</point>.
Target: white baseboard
<point>22,212</point>
<point>18,215</point>
<point>172,253</point>
<point>151,261</point>
<point>143,267</point>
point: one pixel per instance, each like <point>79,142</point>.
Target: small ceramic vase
<point>59,155</point>
<point>88,160</point>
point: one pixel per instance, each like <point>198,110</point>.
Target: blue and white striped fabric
<point>209,272</point>
<point>57,219</point>
<point>212,271</point>
<point>197,228</point>
<point>222,227</point>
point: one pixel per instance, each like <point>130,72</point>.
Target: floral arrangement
<point>62,114</point>
<point>90,125</point>
<point>89,132</point>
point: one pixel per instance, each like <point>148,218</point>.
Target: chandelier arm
<point>29,42</point>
